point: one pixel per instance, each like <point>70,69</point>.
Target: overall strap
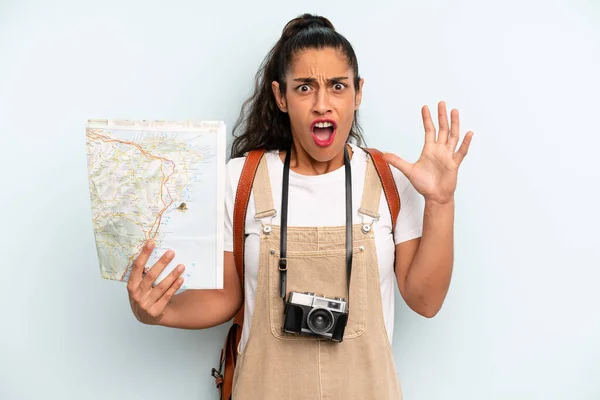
<point>371,195</point>
<point>263,197</point>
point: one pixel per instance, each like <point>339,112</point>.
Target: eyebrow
<point>313,80</point>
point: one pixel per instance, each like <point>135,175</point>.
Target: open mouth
<point>323,131</point>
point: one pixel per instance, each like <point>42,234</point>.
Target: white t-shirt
<point>315,201</point>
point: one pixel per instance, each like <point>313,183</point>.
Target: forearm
<point>429,274</point>
<point>200,309</point>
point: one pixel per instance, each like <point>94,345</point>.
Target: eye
<point>339,86</point>
<point>303,88</point>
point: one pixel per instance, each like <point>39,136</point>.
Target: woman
<point>304,113</point>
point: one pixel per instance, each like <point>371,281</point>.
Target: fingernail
<point>180,268</point>
<point>150,244</point>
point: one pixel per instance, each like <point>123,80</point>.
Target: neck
<point>302,163</point>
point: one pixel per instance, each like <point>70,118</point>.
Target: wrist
<point>440,205</point>
<point>163,319</point>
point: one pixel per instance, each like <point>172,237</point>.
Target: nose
<point>321,105</point>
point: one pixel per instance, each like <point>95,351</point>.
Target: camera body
<point>309,314</point>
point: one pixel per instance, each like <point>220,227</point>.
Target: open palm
<point>435,173</point>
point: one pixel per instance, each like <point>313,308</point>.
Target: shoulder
<point>401,181</point>
<point>234,167</point>
<point>233,170</point>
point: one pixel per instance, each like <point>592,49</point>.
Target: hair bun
<point>305,21</point>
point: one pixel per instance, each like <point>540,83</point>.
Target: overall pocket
<point>323,273</point>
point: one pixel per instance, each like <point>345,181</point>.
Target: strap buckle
<point>368,213</point>
<point>283,264</point>
<point>272,213</point>
<point>218,377</point>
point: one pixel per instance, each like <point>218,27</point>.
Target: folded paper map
<point>160,180</point>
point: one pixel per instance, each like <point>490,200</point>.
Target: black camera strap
<point>283,229</point>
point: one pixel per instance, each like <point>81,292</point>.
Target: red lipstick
<point>323,131</point>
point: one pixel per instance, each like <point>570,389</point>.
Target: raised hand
<point>149,303</point>
<point>435,173</point>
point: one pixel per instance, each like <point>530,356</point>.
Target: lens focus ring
<point>319,320</point>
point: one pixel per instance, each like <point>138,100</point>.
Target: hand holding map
<point>149,303</point>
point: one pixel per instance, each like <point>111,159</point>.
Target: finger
<point>464,148</point>
<point>454,129</point>
<point>443,123</point>
<point>404,166</point>
<point>136,275</point>
<point>159,307</point>
<point>158,267</point>
<point>428,124</point>
<point>165,284</point>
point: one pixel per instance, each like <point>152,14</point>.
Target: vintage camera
<point>309,314</point>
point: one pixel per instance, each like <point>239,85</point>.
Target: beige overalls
<point>282,366</point>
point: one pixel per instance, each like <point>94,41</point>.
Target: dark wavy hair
<point>261,123</point>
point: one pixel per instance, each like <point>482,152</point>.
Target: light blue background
<point>521,317</point>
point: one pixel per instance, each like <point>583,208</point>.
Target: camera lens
<point>319,320</point>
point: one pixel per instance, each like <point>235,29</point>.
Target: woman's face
<point>320,100</point>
